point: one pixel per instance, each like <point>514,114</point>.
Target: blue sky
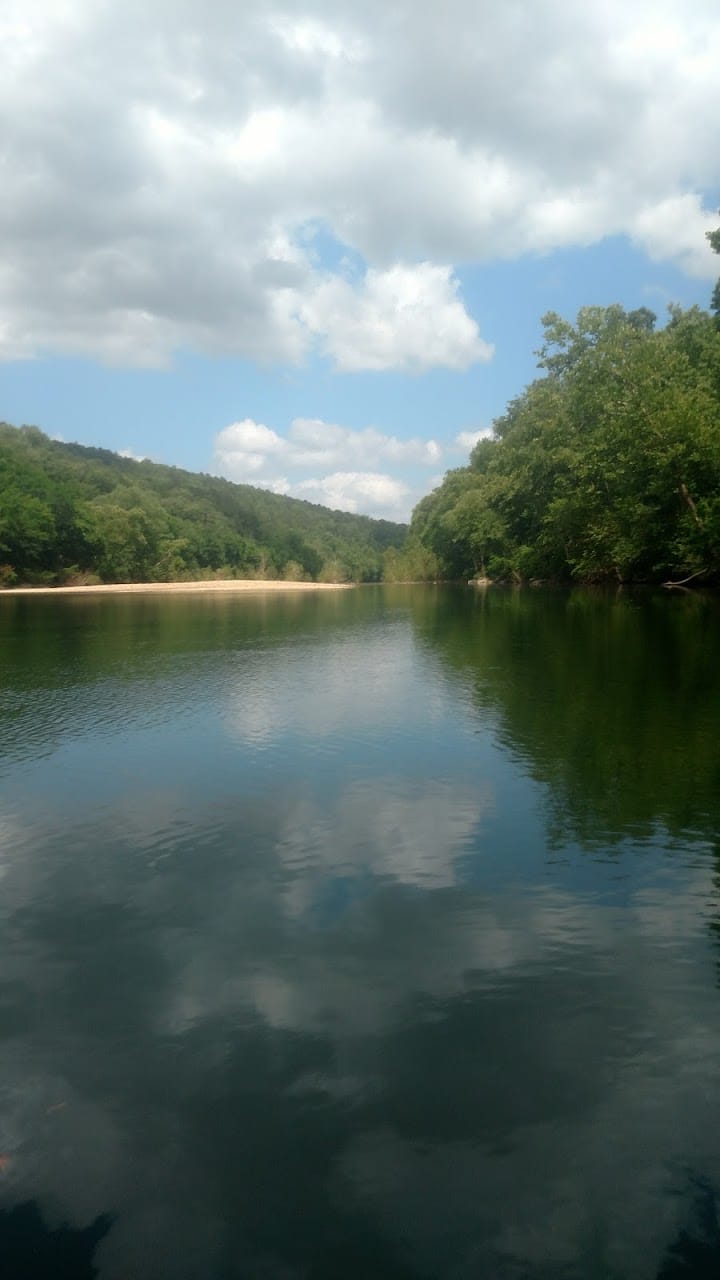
<point>308,245</point>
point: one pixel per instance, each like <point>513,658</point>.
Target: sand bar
<point>179,588</point>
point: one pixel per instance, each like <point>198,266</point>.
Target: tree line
<point>74,514</point>
<point>607,467</point>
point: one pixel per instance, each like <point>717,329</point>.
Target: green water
<point>360,935</point>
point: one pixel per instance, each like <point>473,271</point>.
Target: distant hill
<point>70,513</point>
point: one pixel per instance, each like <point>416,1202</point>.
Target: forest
<point>606,468</point>
<point>77,515</point>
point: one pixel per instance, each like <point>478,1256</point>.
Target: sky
<point>308,245</point>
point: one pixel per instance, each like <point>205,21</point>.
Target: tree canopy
<point>606,467</point>
<point>70,513</point>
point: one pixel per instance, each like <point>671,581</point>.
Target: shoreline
<point>218,585</point>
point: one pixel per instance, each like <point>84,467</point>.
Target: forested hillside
<point>606,467</point>
<point>70,513</point>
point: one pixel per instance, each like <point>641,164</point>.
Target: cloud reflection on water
<point>285,993</point>
<point>480,1081</point>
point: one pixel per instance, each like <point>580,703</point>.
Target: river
<point>360,936</point>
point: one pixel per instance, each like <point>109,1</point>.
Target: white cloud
<point>676,228</point>
<point>368,492</point>
<point>244,447</point>
<point>310,442</point>
<point>408,317</point>
<point>159,175</point>
<point>343,464</point>
<point>466,440</point>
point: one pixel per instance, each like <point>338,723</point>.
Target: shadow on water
<point>612,701</point>
<point>609,700</point>
<point>695,1254</point>
<point>30,1250</point>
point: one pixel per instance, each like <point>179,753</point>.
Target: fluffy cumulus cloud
<point>404,318</point>
<point>330,464</point>
<point>369,492</point>
<point>166,170</point>
<point>466,440</point>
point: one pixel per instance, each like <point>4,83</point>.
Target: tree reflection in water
<point>695,1254</point>
<point>30,1250</point>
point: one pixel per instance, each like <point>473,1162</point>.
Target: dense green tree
<point>412,563</point>
<point>608,466</point>
<point>67,512</point>
<point>27,528</point>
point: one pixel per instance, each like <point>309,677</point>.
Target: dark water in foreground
<point>360,936</point>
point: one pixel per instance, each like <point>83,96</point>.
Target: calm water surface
<point>365,935</point>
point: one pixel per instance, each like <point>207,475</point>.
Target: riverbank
<point>176,588</point>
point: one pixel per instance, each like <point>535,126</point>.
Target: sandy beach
<point>232,585</point>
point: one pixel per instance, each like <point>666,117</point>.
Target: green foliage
<point>69,513</point>
<point>608,467</point>
<point>412,563</point>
